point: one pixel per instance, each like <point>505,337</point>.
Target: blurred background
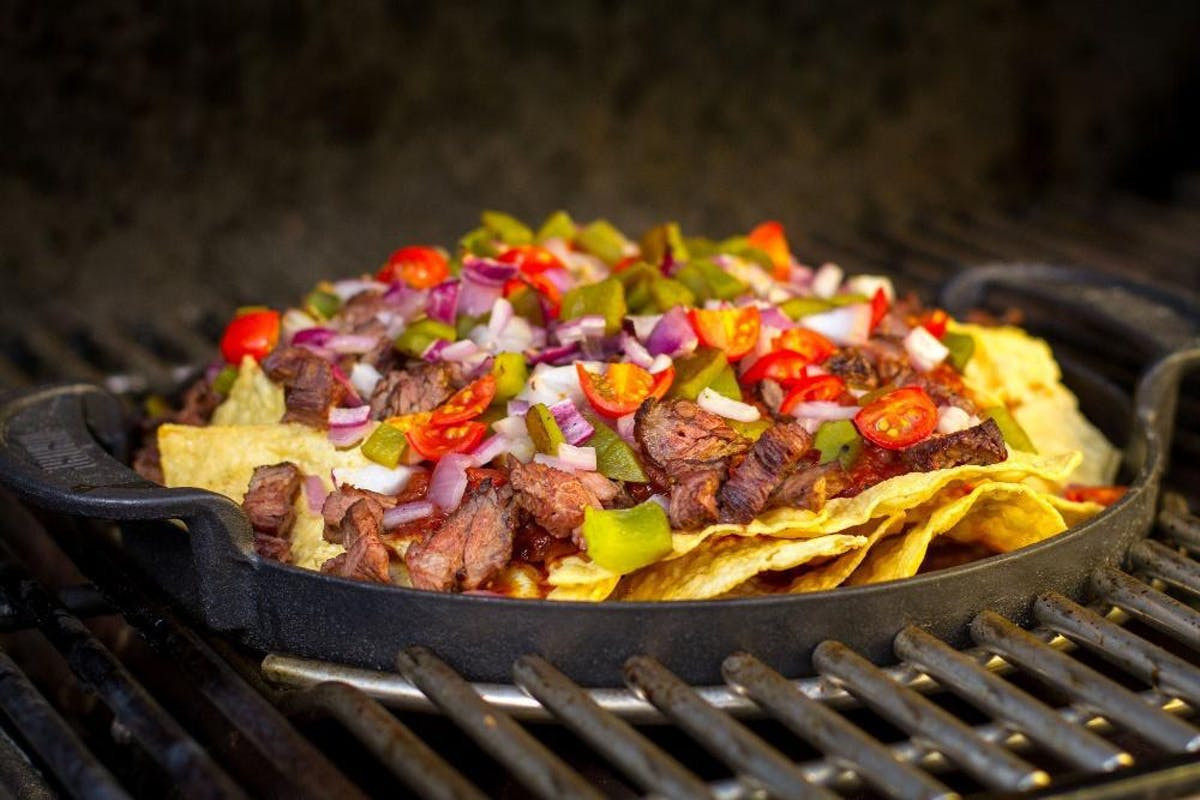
<point>170,161</point>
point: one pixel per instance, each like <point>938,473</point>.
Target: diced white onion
<point>489,449</point>
<point>924,350</point>
<point>374,478</point>
<point>364,378</point>
<point>581,459</point>
<point>824,411</point>
<point>449,481</point>
<point>660,363</point>
<point>846,325</point>
<point>459,351</point>
<point>952,419</point>
<point>726,407</point>
<point>550,384</point>
<point>294,320</point>
<point>625,428</point>
<point>867,285</point>
<point>643,324</point>
<point>827,280</point>
<point>348,288</point>
<point>407,512</point>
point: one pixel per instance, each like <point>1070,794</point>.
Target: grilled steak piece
<point>147,461</point>
<point>474,542</point>
<point>853,366</point>
<point>309,387</point>
<point>983,444</point>
<point>810,488</point>
<point>694,499</point>
<point>772,395</point>
<point>270,504</point>
<point>366,556</point>
<point>359,310</point>
<point>422,387</point>
<point>339,501</point>
<point>770,460</point>
<point>678,436</point>
<point>556,499</point>
<point>199,402</point>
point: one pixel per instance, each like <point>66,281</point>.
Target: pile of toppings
<point>533,395</point>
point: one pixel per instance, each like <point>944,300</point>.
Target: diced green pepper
<point>799,307</point>
<point>479,242</point>
<point>605,299</point>
<point>838,439</point>
<point>506,228</point>
<point>417,338</point>
<point>558,225</point>
<point>726,383</point>
<point>543,429</point>
<point>602,239</point>
<point>464,323</point>
<point>385,445</point>
<point>722,285</point>
<point>1014,435</point>
<point>637,280</point>
<point>322,304</point>
<point>961,347</point>
<point>224,379</point>
<point>750,430</point>
<point>668,293</point>
<point>658,240</point>
<point>510,372</point>
<point>695,372</point>
<point>872,396</point>
<point>492,413</point>
<point>626,539</point>
<point>756,256</point>
<point>614,458</point>
<point>526,304</point>
<point>691,277</point>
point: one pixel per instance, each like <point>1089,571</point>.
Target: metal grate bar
<point>20,779</point>
<point>721,735</point>
<point>52,738</point>
<point>613,737</point>
<point>1083,683</point>
<point>1181,526</point>
<point>388,739</point>
<point>986,761</point>
<point>540,770</point>
<point>1149,605</point>
<point>1002,700</point>
<point>828,731</point>
<point>1130,652</point>
<point>1161,562</point>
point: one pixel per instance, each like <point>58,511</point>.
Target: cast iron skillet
<point>55,448</point>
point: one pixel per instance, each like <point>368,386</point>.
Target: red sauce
<point>874,465</point>
<point>533,545</point>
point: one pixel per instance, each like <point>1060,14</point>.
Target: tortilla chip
<point>726,562</point>
<point>580,578</point>
<point>833,574</point>
<point>253,398</point>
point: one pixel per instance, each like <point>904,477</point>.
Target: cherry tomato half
<point>253,334</point>
<point>879,307</point>
<point>935,322</point>
<point>785,367</point>
<point>530,259</point>
<point>622,387</point>
<point>541,284</point>
<point>419,266</point>
<point>898,419</point>
<point>770,238</point>
<point>432,442</point>
<point>1104,495</point>
<point>814,389</point>
<point>467,403</point>
<point>731,330</point>
<point>814,347</point>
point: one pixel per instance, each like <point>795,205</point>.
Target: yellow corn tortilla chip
<point>253,398</point>
<point>580,578</point>
<point>726,562</point>
<point>833,574</point>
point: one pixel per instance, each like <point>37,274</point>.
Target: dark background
<point>198,154</point>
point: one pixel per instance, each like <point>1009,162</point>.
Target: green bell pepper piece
<point>526,304</point>
<point>658,240</point>
<point>695,372</point>
<point>799,307</point>
<point>385,445</point>
<point>721,284</point>
<point>875,394</point>
<point>726,383</point>
<point>322,304</point>
<point>511,372</point>
<point>478,242</point>
<point>838,439</point>
<point>1014,435</point>
<point>750,430</point>
<point>464,323</point>
<point>417,338</point>
<point>691,277</point>
<point>668,293</point>
<point>614,458</point>
<point>506,228</point>
<point>558,225</point>
<point>636,281</point>
<point>605,299</point>
<point>626,539</point>
<point>223,382</point>
<point>602,239</point>
<point>543,429</point>
<point>961,347</point>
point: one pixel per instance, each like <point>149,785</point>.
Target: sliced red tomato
<point>782,366</point>
<point>419,266</point>
<point>814,389</point>
<point>898,419</point>
<point>530,259</point>
<point>467,403</point>
<point>734,331</point>
<point>1104,495</point>
<point>252,334</point>
<point>879,307</point>
<point>433,441</point>
<point>935,322</point>
<point>770,238</point>
<point>541,284</point>
<point>622,387</point>
<point>814,347</point>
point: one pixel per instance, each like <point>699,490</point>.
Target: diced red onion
<point>660,500</point>
<point>489,449</point>
<point>487,271</point>
<point>952,419</point>
<point>374,478</point>
<point>512,426</point>
<point>434,351</point>
<point>352,344</point>
<point>550,384</point>
<point>364,378</point>
<point>846,325</point>
<point>673,335</point>
<point>517,407</point>
<point>514,336</point>
<point>659,364</point>
<point>315,493</point>
<point>799,275</point>
<point>643,324</point>
<point>625,426</point>
<point>561,279</point>
<point>867,285</point>
<point>827,280</point>
<point>475,298</point>
<point>635,351</point>
<point>574,427</point>
<point>554,356</point>
<point>771,316</point>
<point>579,329</point>
<point>348,435</point>
<point>924,350</point>
<point>347,417</point>
<point>727,407</point>
<point>442,301</point>
<point>316,337</point>
<point>348,288</point>
<point>502,314</point>
<point>351,397</point>
<point>406,301</point>
<point>294,320</point>
<point>407,512</point>
<point>579,459</point>
<point>459,351</point>
<point>479,365</point>
<point>449,481</point>
<point>824,411</point>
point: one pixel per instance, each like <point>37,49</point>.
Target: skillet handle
<point>51,456</point>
